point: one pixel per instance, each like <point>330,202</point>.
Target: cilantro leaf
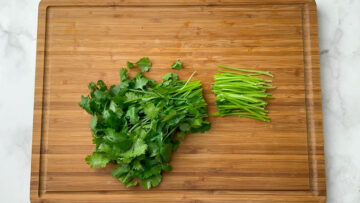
<point>92,87</point>
<point>141,82</point>
<point>150,111</point>
<point>152,170</point>
<point>93,122</point>
<point>138,148</point>
<point>130,184</point>
<point>155,180</point>
<point>196,122</point>
<point>102,85</point>
<point>132,115</point>
<point>126,179</point>
<point>130,96</point>
<point>129,64</point>
<point>120,171</point>
<point>123,74</point>
<point>97,160</point>
<point>166,152</point>
<point>146,183</point>
<point>137,165</point>
<point>116,109</point>
<point>167,76</point>
<point>85,104</point>
<point>166,167</point>
<point>177,65</point>
<point>100,96</point>
<point>181,135</point>
<point>144,64</point>
<point>122,141</point>
<point>185,127</point>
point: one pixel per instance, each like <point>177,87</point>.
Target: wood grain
<point>239,159</point>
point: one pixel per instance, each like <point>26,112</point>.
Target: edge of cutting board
<point>317,193</point>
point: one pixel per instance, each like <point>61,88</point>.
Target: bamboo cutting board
<point>239,159</point>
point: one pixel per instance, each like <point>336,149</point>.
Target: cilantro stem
<point>139,123</point>
<point>188,80</point>
<point>249,71</point>
<point>148,92</point>
<point>172,131</point>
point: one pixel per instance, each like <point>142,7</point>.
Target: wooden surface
<point>239,159</point>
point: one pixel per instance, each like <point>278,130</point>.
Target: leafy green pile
<point>239,92</point>
<point>134,123</point>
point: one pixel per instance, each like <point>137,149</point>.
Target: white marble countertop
<point>339,36</point>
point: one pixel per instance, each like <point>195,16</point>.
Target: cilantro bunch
<point>134,124</point>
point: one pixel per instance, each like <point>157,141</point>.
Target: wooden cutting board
<point>239,159</point>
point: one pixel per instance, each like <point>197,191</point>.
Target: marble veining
<point>18,25</point>
<point>339,28</point>
<point>339,37</point>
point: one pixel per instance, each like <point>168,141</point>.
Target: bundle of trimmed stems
<point>240,92</point>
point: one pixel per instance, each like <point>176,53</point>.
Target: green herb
<point>134,124</point>
<point>129,64</point>
<point>239,92</point>
<point>177,65</point>
<point>144,64</point>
